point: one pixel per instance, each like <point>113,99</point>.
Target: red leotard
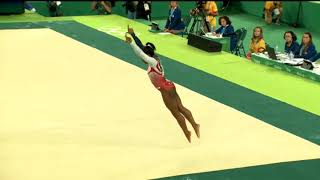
<point>157,78</point>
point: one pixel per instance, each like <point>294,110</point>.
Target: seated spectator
<point>174,23</point>
<point>131,9</point>
<point>291,44</point>
<point>273,8</point>
<point>107,6</point>
<point>227,30</point>
<point>211,10</point>
<point>306,50</point>
<point>257,44</point>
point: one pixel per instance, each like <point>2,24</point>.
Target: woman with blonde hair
<point>257,44</point>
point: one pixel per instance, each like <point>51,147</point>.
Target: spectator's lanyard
<point>301,50</point>
<point>223,29</point>
<point>171,12</point>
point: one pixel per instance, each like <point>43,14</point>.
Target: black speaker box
<point>204,43</point>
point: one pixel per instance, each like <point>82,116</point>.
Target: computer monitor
<point>272,53</point>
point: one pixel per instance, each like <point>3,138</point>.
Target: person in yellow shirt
<point>211,10</point>
<point>272,8</point>
<point>257,44</point>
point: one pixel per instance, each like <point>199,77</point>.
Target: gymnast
<point>168,90</point>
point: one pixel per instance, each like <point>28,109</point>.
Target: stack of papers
<point>294,61</point>
<point>210,35</point>
<point>164,33</point>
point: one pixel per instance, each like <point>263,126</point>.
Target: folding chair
<point>241,35</point>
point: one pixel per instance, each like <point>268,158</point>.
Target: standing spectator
<point>307,50</point>
<point>225,4</point>
<point>29,7</point>
<point>257,44</point>
<point>211,10</point>
<point>174,23</point>
<point>227,30</point>
<point>107,6</point>
<point>273,8</point>
<point>291,44</point>
<point>55,8</point>
<point>144,10</point>
<point>131,9</point>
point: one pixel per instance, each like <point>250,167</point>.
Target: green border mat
<point>31,17</point>
<point>297,170</point>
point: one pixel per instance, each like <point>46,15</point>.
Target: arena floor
<point>70,109</point>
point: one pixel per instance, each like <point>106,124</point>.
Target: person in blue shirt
<point>291,44</point>
<point>174,23</point>
<point>315,58</point>
<point>306,49</point>
<point>227,30</point>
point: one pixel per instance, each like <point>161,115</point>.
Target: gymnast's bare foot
<point>197,130</point>
<point>188,136</point>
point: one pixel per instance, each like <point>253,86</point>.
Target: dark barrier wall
<point>11,7</point>
<point>309,12</point>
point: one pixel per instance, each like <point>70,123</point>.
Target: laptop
<point>307,65</point>
<point>272,53</point>
<point>155,27</point>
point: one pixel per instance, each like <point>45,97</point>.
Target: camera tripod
<point>199,23</point>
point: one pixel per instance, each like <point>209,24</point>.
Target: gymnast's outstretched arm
<point>137,40</point>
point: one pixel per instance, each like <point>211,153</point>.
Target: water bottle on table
<point>291,56</point>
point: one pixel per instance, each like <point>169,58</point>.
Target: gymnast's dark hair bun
<point>151,45</point>
<point>149,49</point>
